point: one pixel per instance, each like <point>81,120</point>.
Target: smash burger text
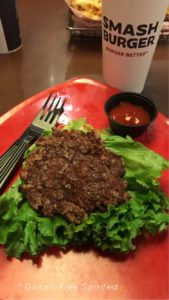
<point>119,34</point>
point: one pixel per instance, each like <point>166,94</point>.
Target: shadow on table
<point>141,243</point>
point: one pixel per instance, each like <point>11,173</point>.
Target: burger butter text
<point>117,34</point>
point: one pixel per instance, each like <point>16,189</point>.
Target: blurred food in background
<point>88,10</point>
<point>165,27</point>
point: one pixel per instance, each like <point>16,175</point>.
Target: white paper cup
<point>10,39</point>
<point>130,31</point>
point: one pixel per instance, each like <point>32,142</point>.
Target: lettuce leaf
<point>141,163</point>
<point>24,230</point>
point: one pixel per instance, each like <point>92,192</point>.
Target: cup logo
<point>129,36</point>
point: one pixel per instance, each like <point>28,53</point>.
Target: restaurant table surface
<point>48,56</point>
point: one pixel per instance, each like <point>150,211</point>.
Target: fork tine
<point>46,103</point>
<point>40,114</point>
<point>49,110</point>
<point>56,105</point>
<point>57,112</point>
<point>63,103</point>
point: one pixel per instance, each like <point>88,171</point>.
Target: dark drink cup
<point>10,39</point>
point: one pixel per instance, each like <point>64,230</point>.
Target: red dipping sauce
<point>130,114</point>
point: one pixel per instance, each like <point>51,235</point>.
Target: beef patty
<point>71,173</point>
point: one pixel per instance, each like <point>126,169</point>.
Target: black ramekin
<point>134,98</point>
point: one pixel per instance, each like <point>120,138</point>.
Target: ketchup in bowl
<point>129,114</point>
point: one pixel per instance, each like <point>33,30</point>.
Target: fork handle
<point>10,152</point>
<point>14,158</point>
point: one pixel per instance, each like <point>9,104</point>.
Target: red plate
<point>86,274</point>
